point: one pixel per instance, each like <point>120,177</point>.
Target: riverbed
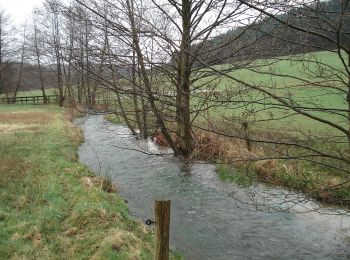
<point>211,219</point>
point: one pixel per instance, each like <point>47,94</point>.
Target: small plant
<point>107,184</point>
<point>115,119</point>
<point>242,176</point>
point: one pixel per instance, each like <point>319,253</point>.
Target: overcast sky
<point>19,10</point>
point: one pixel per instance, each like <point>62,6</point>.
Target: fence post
<point>162,219</point>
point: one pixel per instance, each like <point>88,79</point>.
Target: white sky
<point>19,10</point>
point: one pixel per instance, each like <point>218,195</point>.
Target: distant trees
<point>36,49</point>
<point>54,26</point>
<point>24,57</point>
<point>6,49</point>
<point>21,64</point>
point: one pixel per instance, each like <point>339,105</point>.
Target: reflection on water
<point>211,219</point>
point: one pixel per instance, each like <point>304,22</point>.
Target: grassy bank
<point>51,206</point>
<point>316,182</point>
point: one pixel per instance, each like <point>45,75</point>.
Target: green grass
<point>29,108</point>
<point>48,209</point>
<point>116,119</point>
<point>317,182</point>
<point>37,92</point>
<point>304,67</point>
<point>268,116</point>
<point>241,176</point>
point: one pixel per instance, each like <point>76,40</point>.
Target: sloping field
<point>314,81</point>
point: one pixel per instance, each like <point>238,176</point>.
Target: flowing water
<point>209,218</point>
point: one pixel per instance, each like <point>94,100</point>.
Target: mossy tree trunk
<point>183,115</point>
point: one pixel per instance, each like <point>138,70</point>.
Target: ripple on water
<point>211,219</point>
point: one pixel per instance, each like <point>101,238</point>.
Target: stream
<point>211,219</point>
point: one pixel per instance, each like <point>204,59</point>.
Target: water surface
<point>211,219</point>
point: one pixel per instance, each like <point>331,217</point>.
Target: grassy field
<point>37,92</point>
<point>51,206</point>
<point>269,116</point>
<point>303,66</point>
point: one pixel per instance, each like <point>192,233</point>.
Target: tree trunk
<point>124,115</point>
<point>37,54</point>
<point>59,79</point>
<point>2,87</point>
<point>348,99</point>
<point>144,119</point>
<point>134,95</point>
<point>183,116</point>
<point>147,83</point>
<point>87,61</point>
<point>56,36</point>
<point>20,68</point>
<point>144,107</point>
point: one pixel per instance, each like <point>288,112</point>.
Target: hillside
<point>267,37</point>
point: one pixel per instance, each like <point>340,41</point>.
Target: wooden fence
<point>30,99</point>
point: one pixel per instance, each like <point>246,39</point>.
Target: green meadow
<point>320,85</point>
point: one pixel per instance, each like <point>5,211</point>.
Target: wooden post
<point>162,219</point>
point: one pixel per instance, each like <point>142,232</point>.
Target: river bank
<point>53,206</point>
<point>244,164</point>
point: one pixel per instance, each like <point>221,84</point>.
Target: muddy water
<point>211,219</point>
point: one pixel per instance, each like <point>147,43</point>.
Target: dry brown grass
<point>74,134</point>
<point>121,241</point>
<point>321,183</point>
<point>266,170</point>
<point>73,111</point>
<point>27,118</point>
<point>99,182</point>
<point>24,121</point>
<point>8,128</point>
<point>235,152</point>
<point>211,147</point>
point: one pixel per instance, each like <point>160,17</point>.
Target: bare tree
<point>6,48</point>
<point>22,60</point>
<point>35,42</point>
